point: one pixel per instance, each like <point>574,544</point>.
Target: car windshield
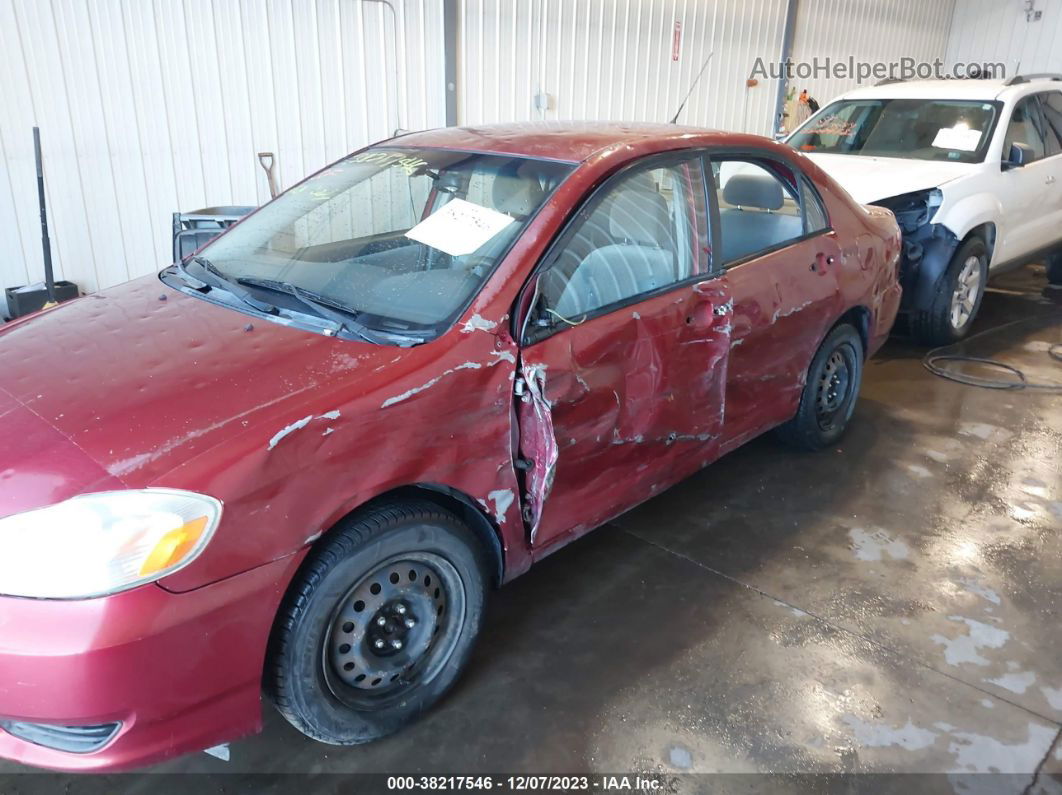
<point>400,238</point>
<point>919,129</point>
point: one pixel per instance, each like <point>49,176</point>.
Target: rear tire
<point>830,392</point>
<point>1054,269</point>
<point>957,298</point>
<point>378,623</point>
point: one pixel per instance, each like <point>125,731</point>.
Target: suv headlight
<point>98,544</point>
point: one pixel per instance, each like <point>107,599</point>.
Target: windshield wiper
<point>344,317</point>
<point>218,280</point>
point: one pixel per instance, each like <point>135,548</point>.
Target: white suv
<point>971,168</point>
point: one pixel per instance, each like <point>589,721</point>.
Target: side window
<point>815,218</point>
<point>758,208</point>
<point>1026,127</point>
<point>1051,105</point>
<point>646,231</point>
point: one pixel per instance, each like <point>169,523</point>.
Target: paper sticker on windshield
<point>961,138</point>
<point>460,227</point>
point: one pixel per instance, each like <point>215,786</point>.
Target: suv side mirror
<point>1019,155</point>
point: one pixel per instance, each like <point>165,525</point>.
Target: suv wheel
<point>1054,269</point>
<point>958,297</point>
<point>830,393</point>
<point>378,623</point>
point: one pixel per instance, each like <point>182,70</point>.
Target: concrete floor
<point>889,606</point>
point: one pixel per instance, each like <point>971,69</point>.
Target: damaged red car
<point>303,457</point>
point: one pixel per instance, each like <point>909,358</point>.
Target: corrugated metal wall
<point>875,31</point>
<point>998,31</point>
<point>146,107</point>
<point>151,106</point>
<point>613,59</point>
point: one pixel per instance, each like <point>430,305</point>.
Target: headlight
<point>99,544</point>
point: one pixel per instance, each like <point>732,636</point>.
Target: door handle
<point>1050,180</point>
<point>821,262</point>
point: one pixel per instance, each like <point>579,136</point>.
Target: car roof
<point>569,141</point>
<point>986,90</point>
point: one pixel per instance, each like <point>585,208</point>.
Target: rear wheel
<point>1054,269</point>
<point>957,298</point>
<point>830,393</point>
<point>378,624</point>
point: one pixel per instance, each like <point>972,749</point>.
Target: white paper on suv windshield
<point>460,227</point>
<point>961,138</point>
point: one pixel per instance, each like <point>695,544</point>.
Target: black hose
<point>931,360</point>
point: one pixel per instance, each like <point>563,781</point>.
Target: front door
<point>1027,189</point>
<point>623,365</point>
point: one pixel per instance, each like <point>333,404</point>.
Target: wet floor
<point>891,605</point>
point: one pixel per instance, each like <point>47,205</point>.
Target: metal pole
<point>450,45</point>
<point>49,277</point>
<point>787,54</point>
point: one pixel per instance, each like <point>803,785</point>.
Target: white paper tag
<point>460,227</point>
<point>957,138</point>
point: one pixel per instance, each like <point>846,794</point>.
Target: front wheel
<point>830,392</point>
<point>378,624</point>
<point>957,298</point>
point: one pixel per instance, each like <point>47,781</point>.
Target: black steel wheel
<point>830,392</point>
<point>378,623</point>
<point>393,629</point>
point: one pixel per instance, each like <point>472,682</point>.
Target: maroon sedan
<point>304,456</point>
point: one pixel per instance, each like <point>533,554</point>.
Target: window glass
<point>1051,106</point>
<point>1026,127</point>
<point>401,237</point>
<point>758,209</point>
<point>918,129</point>
<point>647,231</point>
<point>815,218</point>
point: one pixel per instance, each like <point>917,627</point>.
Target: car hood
<point>142,377</point>
<point>870,179</point>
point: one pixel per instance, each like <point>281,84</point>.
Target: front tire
<point>830,392</point>
<point>957,298</point>
<point>378,623</point>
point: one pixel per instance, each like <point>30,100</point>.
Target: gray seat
<point>753,223</point>
<point>640,259</point>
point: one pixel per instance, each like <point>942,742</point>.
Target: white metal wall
<point>875,31</point>
<point>613,59</point>
<point>998,31</point>
<point>151,106</point>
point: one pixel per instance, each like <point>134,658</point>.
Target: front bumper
<point>179,672</point>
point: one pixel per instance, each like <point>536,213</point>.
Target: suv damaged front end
<point>927,247</point>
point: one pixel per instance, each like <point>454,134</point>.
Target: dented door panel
<point>632,398</point>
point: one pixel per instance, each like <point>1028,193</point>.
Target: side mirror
<point>1019,155</point>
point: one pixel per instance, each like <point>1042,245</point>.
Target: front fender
<point>969,213</point>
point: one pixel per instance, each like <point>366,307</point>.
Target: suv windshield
<point>920,129</point>
<point>399,238</point>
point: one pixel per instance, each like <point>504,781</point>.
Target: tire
<point>412,564</point>
<point>956,299</point>
<point>830,392</point>
<point>1054,269</point>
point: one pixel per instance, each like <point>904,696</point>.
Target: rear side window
<point>1051,106</point>
<point>759,209</point>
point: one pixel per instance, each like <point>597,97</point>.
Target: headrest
<point>639,214</point>
<point>754,190</point>
<point>515,195</point>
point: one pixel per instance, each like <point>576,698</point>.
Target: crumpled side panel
<point>538,444</point>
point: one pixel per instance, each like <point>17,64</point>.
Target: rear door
<point>1051,106</point>
<point>623,361</point>
<point>782,266</point>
